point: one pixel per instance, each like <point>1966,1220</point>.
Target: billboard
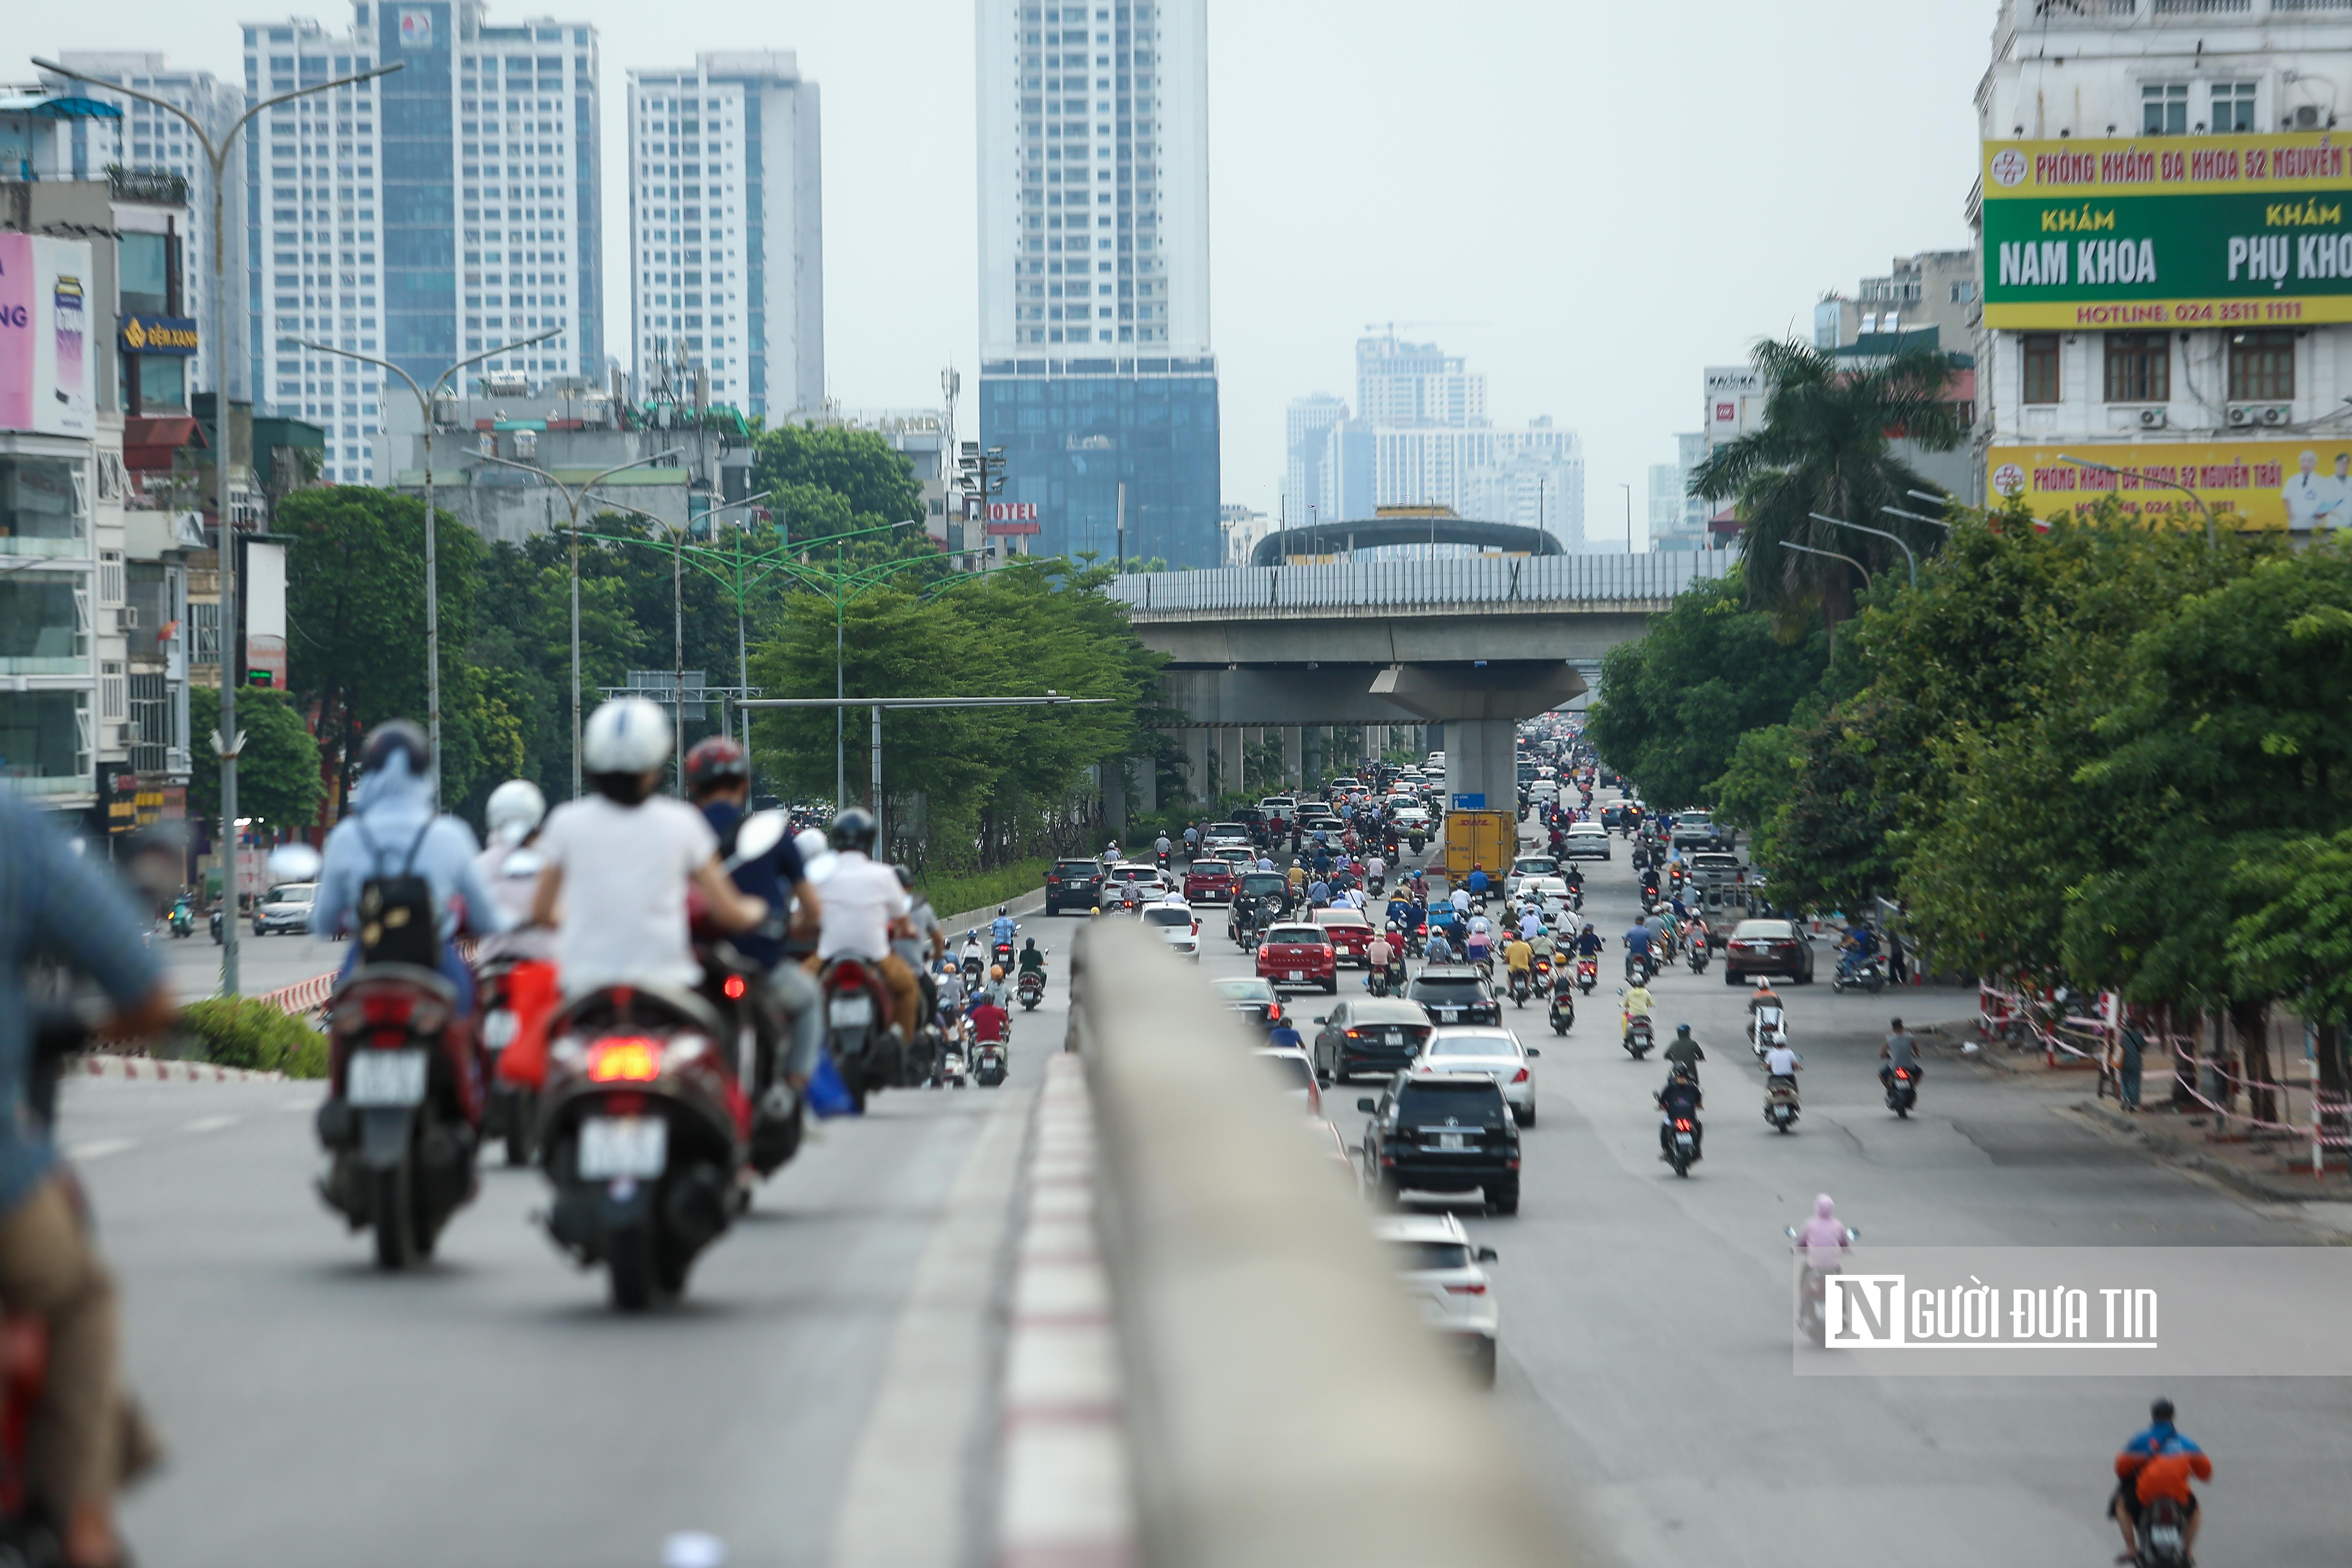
<point>2191,231</point>
<point>264,610</point>
<point>2304,483</point>
<point>47,360</point>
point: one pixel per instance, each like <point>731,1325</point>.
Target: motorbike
<point>214,920</point>
<point>1418,840</point>
<point>1811,1284</point>
<point>644,1132</point>
<point>1780,1102</point>
<point>182,918</point>
<point>511,1115</point>
<point>1561,1013</point>
<point>1695,954</point>
<point>1638,969</point>
<point>1522,987</point>
<point>974,966</point>
<point>1869,974</point>
<point>1000,954</point>
<point>866,1043</point>
<point>2163,1535</point>
<point>953,1072</point>
<point>1763,1027</point>
<point>989,1065</point>
<point>1376,982</point>
<point>1638,1037</point>
<point>1543,974</point>
<point>1588,974</point>
<point>1902,1092</point>
<point>1030,988</point>
<point>1681,1144</point>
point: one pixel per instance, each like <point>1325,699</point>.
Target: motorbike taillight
<point>625,1058</point>
<point>1681,1125</point>
<point>387,1007</point>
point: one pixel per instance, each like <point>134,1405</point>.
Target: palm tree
<point>1826,447</point>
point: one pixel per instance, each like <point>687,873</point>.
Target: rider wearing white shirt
<point>1780,1061</point>
<point>864,907</point>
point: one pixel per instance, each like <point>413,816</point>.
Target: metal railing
<point>1468,582</point>
<point>2109,13</point>
<point>159,186</point>
<point>1282,1404</point>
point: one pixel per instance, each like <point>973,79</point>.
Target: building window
<point>41,509</point>
<point>2139,367</point>
<point>2164,109</point>
<point>2041,367</point>
<point>2262,368</point>
<point>113,697</point>
<point>2234,106</point>
<point>41,746</point>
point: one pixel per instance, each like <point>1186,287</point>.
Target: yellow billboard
<point>2304,483</point>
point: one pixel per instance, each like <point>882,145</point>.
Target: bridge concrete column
<point>1145,796</point>
<point>1294,753</point>
<point>1229,761</point>
<point>1482,758</point>
<point>1196,763</point>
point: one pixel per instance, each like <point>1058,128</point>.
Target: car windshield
<point>1473,1046</point>
<point>1258,882</point>
<point>1473,1102</point>
<point>1535,865</point>
<point>1339,917</point>
<point>1761,929</point>
<point>1244,990</point>
<point>1448,991</point>
<point>1716,860</point>
<point>290,894</point>
<point>1075,868</point>
<point>1168,917</point>
<point>1297,936</point>
<point>1293,1071</point>
<point>1585,830</point>
<point>1430,1257</point>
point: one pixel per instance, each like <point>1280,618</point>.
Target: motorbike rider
<point>1684,1050</point>
<point>1899,1051</point>
<point>1478,881</point>
<point>2158,1462</point>
<point>1437,950</point>
<point>929,942</point>
<point>1377,954</point>
<point>864,908</point>
<point>1680,1100</point>
<point>56,904</point>
<point>1031,961</point>
<point>1637,943</point>
<point>1000,929</point>
<point>1519,959</point>
<point>1637,1004</point>
<point>1854,953</point>
<point>1531,923</point>
<point>1542,945</point>
<point>1589,942</point>
<point>1282,1036</point>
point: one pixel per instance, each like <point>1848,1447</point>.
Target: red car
<point>1209,882</point>
<point>1351,935</point>
<point>1299,956</point>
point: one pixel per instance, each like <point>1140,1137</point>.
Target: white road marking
<point>100,1147</point>
<point>209,1123</point>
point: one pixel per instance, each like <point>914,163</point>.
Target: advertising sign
<point>44,351</point>
<point>2300,483</point>
<point>1011,529</point>
<point>2193,231</point>
<point>159,335</point>
<point>1011,512</point>
<point>265,611</point>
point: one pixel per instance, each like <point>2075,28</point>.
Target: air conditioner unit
<point>2276,413</point>
<point>2307,117</point>
<point>2241,416</point>
<point>2151,418</point>
<point>130,617</point>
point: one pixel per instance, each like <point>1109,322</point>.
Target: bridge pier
<point>1229,761</point>
<point>1294,754</point>
<point>1146,784</point>
<point>1196,764</point>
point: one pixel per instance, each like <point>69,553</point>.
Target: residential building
<point>1242,528</point>
<point>1409,385</point>
<point>1678,519</point>
<point>447,208</point>
<point>155,139</point>
<point>1097,377</point>
<point>1307,428</point>
<point>726,226</point>
<point>1933,288</point>
<point>2166,304</point>
<point>924,436</point>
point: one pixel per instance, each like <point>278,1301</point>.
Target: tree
<point>874,482</point>
<point>278,772</point>
<point>1826,445</point>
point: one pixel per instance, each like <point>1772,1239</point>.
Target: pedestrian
<point>2134,1051</point>
<point>1898,958</point>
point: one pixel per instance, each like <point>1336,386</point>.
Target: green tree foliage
<point>1826,445</point>
<point>276,773</point>
<point>1675,703</point>
<point>991,783</point>
<point>828,480</point>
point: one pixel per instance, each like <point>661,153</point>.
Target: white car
<point>1551,894</point>
<point>1409,818</point>
<point>1587,841</point>
<point>1483,1048</point>
<point>1525,867</point>
<point>1440,1268</point>
<point>1151,885</point>
<point>1296,1073</point>
<point>1178,926</point>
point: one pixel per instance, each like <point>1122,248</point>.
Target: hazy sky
<point>1591,201</point>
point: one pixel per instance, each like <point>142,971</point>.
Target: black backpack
<point>398,922</point>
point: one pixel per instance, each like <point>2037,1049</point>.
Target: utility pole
<point>1120,565</point>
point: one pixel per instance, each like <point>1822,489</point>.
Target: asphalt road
<point>264,962</point>
<point>1645,1356</point>
<point>491,1409</point>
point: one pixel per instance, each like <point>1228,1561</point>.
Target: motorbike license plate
<point>850,1012</point>
<point>1454,1140</point>
<point>615,1146</point>
<point>375,1079</point>
<point>500,1029</point>
<point>1683,1139</point>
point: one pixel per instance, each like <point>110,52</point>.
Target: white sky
<point>1591,201</point>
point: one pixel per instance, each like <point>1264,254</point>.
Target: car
<point>1442,1269</point>
<point>1544,792</point>
<point>1073,885</point>
<point>1768,947</point>
<point>1350,931</point>
<point>1209,882</point>
<point>1496,1052</point>
<point>1252,998</point>
<point>1550,892</point>
<point>1528,865</point>
<point>1368,1033</point>
<point>1411,819</point>
<point>1716,869</point>
<point>1296,1077</point>
<point>1298,954</point>
<point>1151,884</point>
<point>1222,835</point>
<point>1587,841</point>
<point>1262,892</point>
<point>1455,994</point>
<point>285,907</point>
<point>1282,806</point>
<point>1443,1132</point>
<point>1178,926</point>
<point>1695,828</point>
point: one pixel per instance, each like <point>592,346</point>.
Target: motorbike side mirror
<point>760,832</point>
<point>295,863</point>
<point>521,863</point>
<point>1368,1105</point>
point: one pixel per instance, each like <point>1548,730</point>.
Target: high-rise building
<point>1934,288</point>
<point>1306,430</point>
<point>1401,383</point>
<point>1678,519</point>
<point>726,226</point>
<point>445,209</point>
<point>154,141</point>
<point>1095,366</point>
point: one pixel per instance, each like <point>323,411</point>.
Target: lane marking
<point>100,1147</point>
<point>210,1123</point>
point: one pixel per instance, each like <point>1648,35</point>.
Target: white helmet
<point>817,858</point>
<point>515,808</point>
<point>627,735</point>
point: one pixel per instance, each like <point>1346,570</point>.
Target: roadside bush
<point>984,891</point>
<point>243,1032</point>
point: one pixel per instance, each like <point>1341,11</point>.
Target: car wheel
<point>1331,986</point>
<point>1504,1198</point>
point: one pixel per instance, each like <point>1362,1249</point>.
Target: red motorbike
<point>859,1027</point>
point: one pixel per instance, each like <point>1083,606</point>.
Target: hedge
<point>244,1032</point>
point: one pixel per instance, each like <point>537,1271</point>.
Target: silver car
<point>1494,1052</point>
<point>285,907</point>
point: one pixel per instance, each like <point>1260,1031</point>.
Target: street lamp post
<point>1831,555</point>
<point>2212,535</point>
<point>1866,528</point>
<point>230,741</point>
<point>1916,517</point>
<point>572,496</point>
<point>432,549</point>
<point>1629,515</point>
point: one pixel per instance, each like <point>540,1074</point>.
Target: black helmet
<point>2161,1410</point>
<point>396,737</point>
<point>853,829</point>
<point>1684,1070</point>
<point>1682,1028</point>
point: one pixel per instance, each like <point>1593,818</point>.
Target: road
<point>1645,1357</point>
<point>264,962</point>
<point>491,1409</point>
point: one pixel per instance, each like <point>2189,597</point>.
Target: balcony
<point>2045,14</point>
<point>156,187</point>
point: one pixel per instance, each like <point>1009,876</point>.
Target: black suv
<point>1453,993</point>
<point>1074,885</point>
<point>1443,1132</point>
<point>1369,1034</point>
